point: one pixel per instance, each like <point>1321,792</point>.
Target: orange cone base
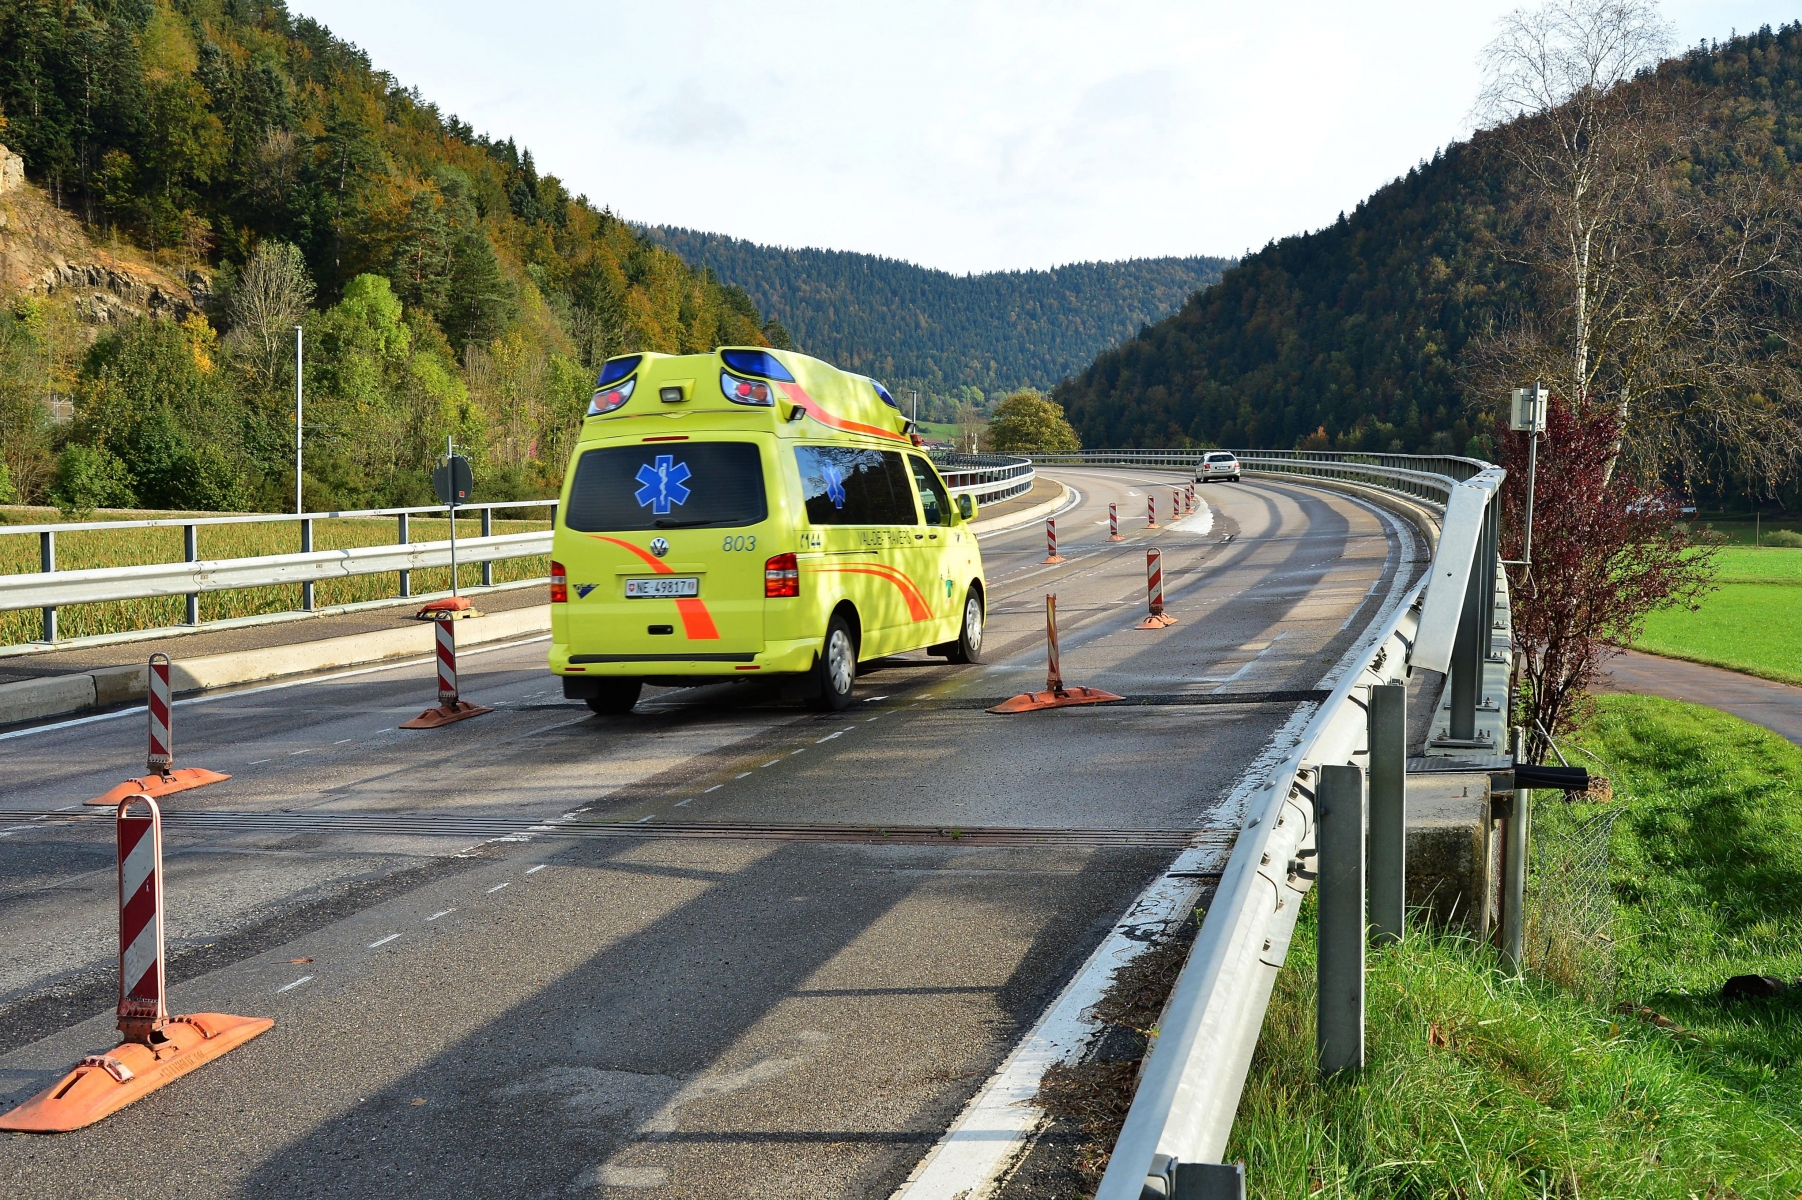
<point>444,714</point>
<point>159,785</point>
<point>94,1090</point>
<point>1055,558</point>
<point>450,606</point>
<point>1068,698</point>
<point>1156,621</point>
<point>1114,537</point>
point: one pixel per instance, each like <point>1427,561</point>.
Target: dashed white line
<point>308,750</point>
<point>740,775</point>
<point>536,869</point>
<point>829,737</point>
<point>792,753</point>
<point>867,720</point>
<point>295,984</point>
<point>445,913</point>
<point>642,819</point>
<point>341,741</point>
<point>70,807</point>
<point>771,763</point>
<point>259,761</point>
<point>497,887</point>
<point>390,729</point>
<point>680,803</point>
<point>384,941</point>
<point>716,787</point>
<point>873,699</point>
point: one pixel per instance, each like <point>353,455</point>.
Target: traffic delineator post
<point>161,780</point>
<point>1056,694</point>
<point>1051,554</point>
<point>1113,524</point>
<point>1176,504</point>
<point>1151,510</point>
<point>1154,592</point>
<point>158,1048</point>
<point>451,706</point>
<point>1189,497</point>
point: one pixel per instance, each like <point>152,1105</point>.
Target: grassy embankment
<point>1751,623</point>
<point>129,547</point>
<point>1476,1086</point>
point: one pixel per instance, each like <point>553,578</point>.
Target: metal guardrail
<point>1183,1109</point>
<point>50,589</point>
<point>988,478</point>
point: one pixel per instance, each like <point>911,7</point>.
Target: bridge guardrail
<point>1182,1111</point>
<point>988,478</point>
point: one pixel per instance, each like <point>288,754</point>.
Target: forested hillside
<point>1383,330</point>
<point>942,333</point>
<point>447,286</point>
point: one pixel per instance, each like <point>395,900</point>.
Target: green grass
<point>1480,1086</point>
<point>1742,530</point>
<point>1752,622</point>
<point>126,547</point>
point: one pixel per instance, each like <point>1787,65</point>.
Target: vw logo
<point>659,546</point>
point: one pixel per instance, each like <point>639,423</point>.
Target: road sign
<point>1528,413</point>
<point>453,480</point>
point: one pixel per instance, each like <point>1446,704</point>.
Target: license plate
<point>664,588</point>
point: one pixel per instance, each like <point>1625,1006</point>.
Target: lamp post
<point>299,428</point>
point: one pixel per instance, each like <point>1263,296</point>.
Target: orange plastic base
<point>1055,558</point>
<point>1161,620</point>
<point>450,606</point>
<point>444,714</point>
<point>1114,537</point>
<point>1069,697</point>
<point>159,785</point>
<point>94,1089</point>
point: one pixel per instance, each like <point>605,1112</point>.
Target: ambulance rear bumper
<point>776,658</point>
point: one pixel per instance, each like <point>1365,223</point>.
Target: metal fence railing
<point>1182,1111</point>
<point>987,478</point>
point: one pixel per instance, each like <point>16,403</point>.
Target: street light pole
<point>299,427</point>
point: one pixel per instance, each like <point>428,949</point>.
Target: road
<point>483,985</point>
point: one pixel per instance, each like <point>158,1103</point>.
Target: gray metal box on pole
<point>1388,733</point>
<point>1339,836</point>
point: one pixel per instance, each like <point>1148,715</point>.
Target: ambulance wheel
<point>615,696</point>
<point>835,671</point>
<point>968,646</point>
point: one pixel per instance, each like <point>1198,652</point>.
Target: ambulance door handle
<point>918,536</point>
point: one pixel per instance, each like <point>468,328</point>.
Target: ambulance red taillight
<point>754,392</point>
<point>559,584</point>
<point>781,577</point>
<point>605,400</point>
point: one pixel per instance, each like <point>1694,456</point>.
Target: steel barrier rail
<point>987,478</point>
<point>57,589</point>
<point>1182,1111</point>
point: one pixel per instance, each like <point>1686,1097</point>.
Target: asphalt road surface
<point>721,947</point>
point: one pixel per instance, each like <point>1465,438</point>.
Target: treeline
<point>447,286</point>
<point>940,333</point>
<point>1389,329</point>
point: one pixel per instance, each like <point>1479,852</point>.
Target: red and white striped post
<point>142,1008</point>
<point>1054,677</point>
<point>1189,495</point>
<point>1151,510</point>
<point>1113,524</point>
<point>1154,592</point>
<point>1056,694</point>
<point>1176,504</point>
<point>1051,554</point>
<point>162,745</point>
<point>451,706</point>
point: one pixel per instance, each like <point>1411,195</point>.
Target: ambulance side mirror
<point>966,507</point>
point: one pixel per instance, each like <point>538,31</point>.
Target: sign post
<point>1528,416</point>
<point>453,481</point>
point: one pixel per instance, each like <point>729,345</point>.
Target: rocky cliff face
<point>46,252</point>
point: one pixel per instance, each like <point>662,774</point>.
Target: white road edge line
<point>384,941</point>
<point>295,984</point>
<point>988,1135</point>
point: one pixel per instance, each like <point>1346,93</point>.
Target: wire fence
<point>1569,935</point>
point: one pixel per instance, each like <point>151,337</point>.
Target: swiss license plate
<point>663,588</point>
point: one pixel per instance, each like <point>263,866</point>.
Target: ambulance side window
<point>845,486</point>
<point>932,491</point>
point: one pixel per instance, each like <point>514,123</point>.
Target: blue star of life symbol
<point>662,484</point>
<point>835,483</point>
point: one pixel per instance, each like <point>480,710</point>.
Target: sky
<point>968,136</point>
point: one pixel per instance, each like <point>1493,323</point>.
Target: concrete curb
<point>1025,516</point>
<point>59,695</point>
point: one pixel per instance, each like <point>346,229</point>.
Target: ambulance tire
<point>835,670</point>
<point>968,646</point>
<point>614,697</point>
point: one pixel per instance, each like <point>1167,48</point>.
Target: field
<point>1751,623</point>
<point>127,547</point>
<point>1481,1086</point>
<point>1744,531</point>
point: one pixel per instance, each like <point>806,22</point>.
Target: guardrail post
<point>1388,732</point>
<point>1514,871</point>
<point>47,560</point>
<point>406,577</point>
<point>306,547</point>
<point>1467,656</point>
<point>190,537</point>
<point>1339,1000</point>
<point>487,563</point>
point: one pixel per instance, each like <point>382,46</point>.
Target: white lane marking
<point>445,913</point>
<point>295,984</point>
<point>70,807</point>
<point>341,741</point>
<point>877,717</point>
<point>771,763</point>
<point>259,762</point>
<point>830,736</point>
<point>390,729</point>
<point>680,803</point>
<point>536,869</point>
<point>384,941</point>
<point>209,698</point>
<point>792,753</point>
<point>742,775</point>
<point>308,750</point>
<point>497,887</point>
<point>716,787</point>
<point>873,699</point>
<point>642,819</point>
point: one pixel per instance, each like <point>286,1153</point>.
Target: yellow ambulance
<point>750,513</point>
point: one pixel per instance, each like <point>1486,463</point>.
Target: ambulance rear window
<point>667,486</point>
<point>843,486</point>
